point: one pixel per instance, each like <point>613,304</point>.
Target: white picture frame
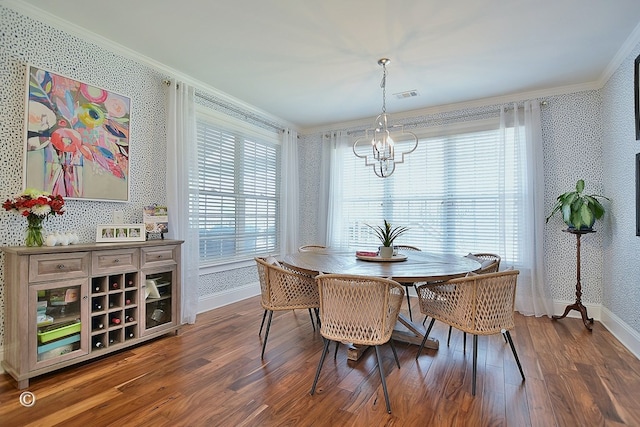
<point>120,233</point>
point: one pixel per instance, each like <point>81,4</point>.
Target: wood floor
<point>211,375</point>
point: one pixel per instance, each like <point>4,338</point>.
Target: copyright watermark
<point>27,399</point>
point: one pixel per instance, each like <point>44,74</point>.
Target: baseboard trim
<point>221,299</point>
<point>623,332</point>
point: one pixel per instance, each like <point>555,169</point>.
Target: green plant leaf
<point>580,186</point>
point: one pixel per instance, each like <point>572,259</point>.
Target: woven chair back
<point>283,288</point>
<point>358,309</point>
<point>312,248</point>
<point>479,304</point>
<point>491,268</point>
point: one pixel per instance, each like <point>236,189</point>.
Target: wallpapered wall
<point>27,41</point>
<point>621,285</point>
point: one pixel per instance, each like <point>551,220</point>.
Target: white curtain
<point>532,296</point>
<point>289,196</point>
<point>182,172</point>
<point>337,143</point>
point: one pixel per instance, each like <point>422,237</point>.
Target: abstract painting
<point>77,138</point>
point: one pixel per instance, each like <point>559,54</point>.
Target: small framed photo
<point>120,233</point>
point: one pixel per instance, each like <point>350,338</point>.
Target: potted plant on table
<point>579,211</point>
<point>387,235</point>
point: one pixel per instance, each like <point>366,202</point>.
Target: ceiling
<point>313,62</point>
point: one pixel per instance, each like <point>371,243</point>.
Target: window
<point>238,190</point>
<point>457,193</point>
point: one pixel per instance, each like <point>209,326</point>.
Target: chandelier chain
<point>383,85</point>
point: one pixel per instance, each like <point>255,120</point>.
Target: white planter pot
<point>385,251</point>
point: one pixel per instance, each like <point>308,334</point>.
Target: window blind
<point>239,192</point>
<point>458,193</point>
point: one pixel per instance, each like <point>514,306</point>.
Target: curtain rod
<point>461,116</point>
<point>236,110</point>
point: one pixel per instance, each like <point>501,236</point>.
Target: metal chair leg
<point>426,335</point>
<point>266,334</point>
<point>324,353</point>
<point>395,354</point>
<point>317,310</point>
<point>264,316</point>
<point>464,342</point>
<point>313,323</point>
<point>384,382</point>
<point>475,363</point>
<point>335,352</point>
<point>449,336</point>
<point>406,286</point>
<point>515,354</point>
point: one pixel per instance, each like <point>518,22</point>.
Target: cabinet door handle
<point>116,260</point>
<point>159,256</point>
<point>61,267</point>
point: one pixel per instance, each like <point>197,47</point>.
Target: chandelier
<point>382,156</point>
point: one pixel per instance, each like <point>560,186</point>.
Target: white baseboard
<point>221,299</point>
<point>623,332</point>
<point>593,310</point>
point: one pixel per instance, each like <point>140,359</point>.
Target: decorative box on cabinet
<point>68,304</point>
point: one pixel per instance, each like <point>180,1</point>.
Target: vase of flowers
<point>387,235</point>
<point>35,206</point>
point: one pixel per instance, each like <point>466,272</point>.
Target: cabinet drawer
<point>118,261</point>
<point>162,255</point>
<point>58,266</point>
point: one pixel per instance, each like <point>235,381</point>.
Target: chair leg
<point>313,323</point>
<point>515,354</point>
<point>335,352</point>
<point>317,310</point>
<point>424,320</point>
<point>395,354</point>
<point>426,335</point>
<point>266,334</point>
<point>449,336</point>
<point>324,353</point>
<point>464,342</point>
<point>475,364</point>
<point>384,382</point>
<point>406,287</point>
<point>264,316</point>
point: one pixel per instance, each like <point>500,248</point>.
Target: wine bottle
<point>131,335</point>
<point>115,285</point>
<point>97,306</point>
<point>130,282</point>
<point>129,318</point>
<point>128,301</point>
<point>98,325</point>
<point>97,288</point>
<point>115,320</point>
<point>98,344</point>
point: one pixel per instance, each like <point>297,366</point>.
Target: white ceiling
<point>314,62</point>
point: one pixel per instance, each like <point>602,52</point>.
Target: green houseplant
<point>579,211</point>
<point>387,235</point>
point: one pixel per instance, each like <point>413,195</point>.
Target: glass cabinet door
<point>159,301</point>
<point>57,316</point>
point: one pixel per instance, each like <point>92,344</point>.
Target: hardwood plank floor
<point>211,375</point>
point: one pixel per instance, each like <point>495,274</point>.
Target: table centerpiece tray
<point>395,258</point>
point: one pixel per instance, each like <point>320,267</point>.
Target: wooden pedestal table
<point>588,321</point>
<point>418,267</point>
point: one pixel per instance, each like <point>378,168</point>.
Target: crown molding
<point>627,47</point>
<point>86,34</point>
<point>477,103</point>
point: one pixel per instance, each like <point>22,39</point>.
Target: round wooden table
<point>418,267</point>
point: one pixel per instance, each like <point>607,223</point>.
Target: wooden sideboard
<point>69,304</point>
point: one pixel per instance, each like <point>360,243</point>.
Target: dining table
<point>403,267</point>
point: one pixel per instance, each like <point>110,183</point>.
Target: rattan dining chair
<point>489,263</point>
<point>285,288</point>
<point>312,248</point>
<point>361,310</point>
<point>479,304</point>
<point>406,285</point>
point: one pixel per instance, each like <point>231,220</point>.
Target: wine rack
<point>86,301</point>
<point>114,307</point>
